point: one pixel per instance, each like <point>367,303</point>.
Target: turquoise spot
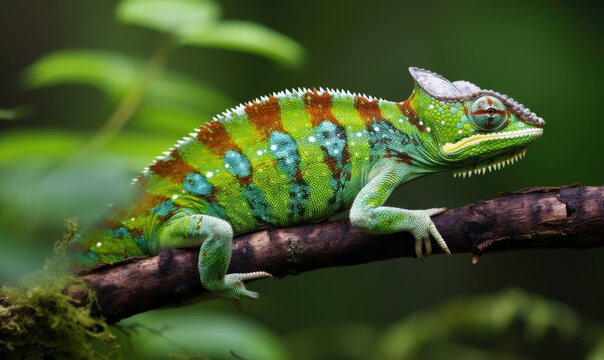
<point>464,118</point>
<point>164,209</point>
<point>332,138</point>
<point>285,149</point>
<point>122,232</point>
<point>87,259</point>
<point>238,164</point>
<point>257,203</point>
<point>459,125</point>
<point>453,110</point>
<point>440,109</point>
<point>521,124</point>
<point>197,184</point>
<point>142,244</point>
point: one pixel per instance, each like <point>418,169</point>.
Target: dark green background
<point>546,54</point>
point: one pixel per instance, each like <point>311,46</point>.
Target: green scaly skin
<point>304,155</point>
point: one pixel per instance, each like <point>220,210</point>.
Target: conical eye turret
<point>487,113</point>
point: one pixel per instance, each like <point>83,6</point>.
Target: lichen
<point>38,319</point>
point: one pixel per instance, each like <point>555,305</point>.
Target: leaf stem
<point>131,101</point>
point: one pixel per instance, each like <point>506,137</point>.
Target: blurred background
<point>91,92</point>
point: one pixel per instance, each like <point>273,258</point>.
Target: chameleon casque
<point>304,155</point>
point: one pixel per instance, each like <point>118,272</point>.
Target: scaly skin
<point>301,156</point>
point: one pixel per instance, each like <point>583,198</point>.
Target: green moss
<point>39,320</point>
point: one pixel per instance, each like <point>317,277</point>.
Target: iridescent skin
<point>301,156</point>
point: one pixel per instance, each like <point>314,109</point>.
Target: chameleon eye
<point>487,113</point>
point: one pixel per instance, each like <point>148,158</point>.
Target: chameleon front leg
<point>368,214</point>
<point>215,236</point>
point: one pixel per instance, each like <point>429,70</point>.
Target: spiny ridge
<point>491,167</point>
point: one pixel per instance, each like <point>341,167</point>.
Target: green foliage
<point>198,331</point>
<point>510,324</point>
<point>248,37</point>
<point>196,23</point>
<point>178,17</point>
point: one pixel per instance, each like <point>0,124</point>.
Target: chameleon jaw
<point>478,138</point>
<point>492,166</point>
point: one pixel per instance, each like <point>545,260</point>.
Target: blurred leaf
<point>190,330</point>
<point>115,74</point>
<point>112,73</point>
<point>178,122</point>
<point>248,37</point>
<point>14,114</point>
<point>461,323</point>
<point>170,16</point>
<point>24,146</point>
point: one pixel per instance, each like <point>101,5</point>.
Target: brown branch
<point>541,217</point>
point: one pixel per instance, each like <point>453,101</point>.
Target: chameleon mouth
<point>492,166</point>
<point>478,138</point>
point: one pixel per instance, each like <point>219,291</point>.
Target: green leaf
<point>33,146</point>
<point>248,37</point>
<point>186,331</point>
<point>113,73</point>
<point>170,16</point>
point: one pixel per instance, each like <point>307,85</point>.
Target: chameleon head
<point>467,129</point>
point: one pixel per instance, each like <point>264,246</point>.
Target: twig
<point>541,217</point>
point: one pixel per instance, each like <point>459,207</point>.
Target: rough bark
<point>542,217</point>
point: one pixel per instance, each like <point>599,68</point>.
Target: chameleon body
<point>304,155</point>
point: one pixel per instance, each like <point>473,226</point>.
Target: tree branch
<point>542,217</point>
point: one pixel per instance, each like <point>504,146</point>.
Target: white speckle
<point>442,122</point>
<point>227,165</point>
<point>174,197</point>
<point>311,139</point>
<point>376,128</point>
<point>273,147</point>
<point>400,120</point>
<point>217,170</point>
<point>99,244</point>
<point>460,132</point>
<point>335,151</point>
<point>131,219</point>
<point>209,174</point>
<point>327,143</point>
<point>421,123</point>
<point>431,107</point>
<point>359,134</point>
<point>428,129</point>
<point>259,152</point>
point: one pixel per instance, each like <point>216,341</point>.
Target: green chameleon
<point>304,155</point>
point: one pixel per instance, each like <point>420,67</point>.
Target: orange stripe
<point>408,111</point>
<point>174,169</point>
<point>369,111</point>
<point>319,107</point>
<point>265,117</point>
<point>215,138</point>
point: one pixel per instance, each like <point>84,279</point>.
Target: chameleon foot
<point>424,227</point>
<point>234,289</point>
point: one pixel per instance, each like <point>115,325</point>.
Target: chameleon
<point>301,156</point>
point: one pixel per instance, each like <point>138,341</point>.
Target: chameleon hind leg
<point>368,214</point>
<point>215,236</point>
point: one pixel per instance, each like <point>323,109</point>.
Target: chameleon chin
<point>302,155</point>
